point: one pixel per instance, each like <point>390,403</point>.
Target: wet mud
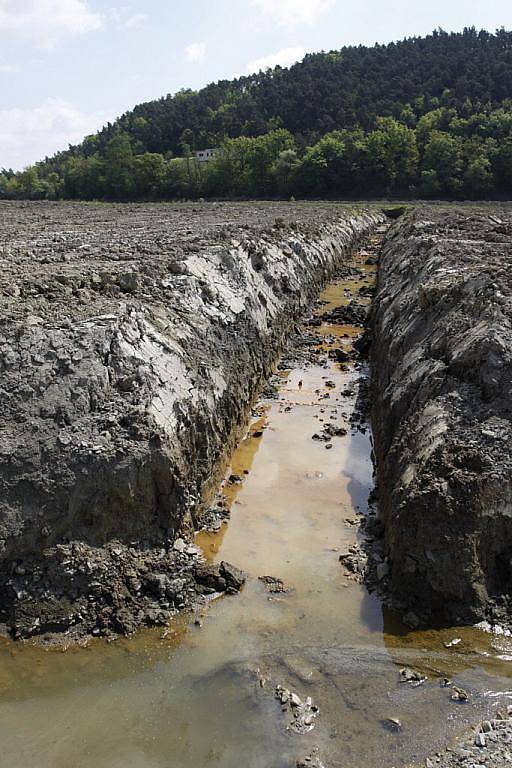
<point>441,413</point>
<point>304,667</point>
<point>133,340</point>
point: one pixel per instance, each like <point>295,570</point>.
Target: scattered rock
<point>339,355</point>
<point>274,585</point>
<point>304,711</point>
<point>392,724</point>
<point>480,740</point>
<point>234,577</point>
<point>411,676</point>
<point>453,643</point>
<point>310,762</point>
<point>459,695</point>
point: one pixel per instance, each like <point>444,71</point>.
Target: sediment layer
<point>442,404</point>
<point>132,341</point>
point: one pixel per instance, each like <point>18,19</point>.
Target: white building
<point>205,155</point>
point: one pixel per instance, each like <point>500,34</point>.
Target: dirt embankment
<point>132,341</point>
<point>442,406</point>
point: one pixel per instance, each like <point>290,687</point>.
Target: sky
<point>69,66</point>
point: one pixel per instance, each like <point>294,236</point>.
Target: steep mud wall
<point>132,342</point>
<point>442,406</point>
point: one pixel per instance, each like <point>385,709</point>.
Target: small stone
<point>129,281</point>
<point>157,584</point>
<point>273,584</point>
<point>234,577</point>
<point>382,571</point>
<point>459,695</point>
<point>310,762</point>
<point>179,545</point>
<point>295,700</point>
<point>452,643</point>
<point>410,676</point>
<point>339,355</point>
<point>392,724</point>
<point>480,740</point>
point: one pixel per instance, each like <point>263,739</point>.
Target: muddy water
<point>202,694</point>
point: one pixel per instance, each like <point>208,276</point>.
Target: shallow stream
<point>202,693</point>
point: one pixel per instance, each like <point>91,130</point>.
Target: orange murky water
<point>198,696</point>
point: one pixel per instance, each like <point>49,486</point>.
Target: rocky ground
<point>489,744</point>
<point>441,413</point>
<point>133,339</point>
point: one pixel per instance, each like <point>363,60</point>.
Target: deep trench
<point>202,691</point>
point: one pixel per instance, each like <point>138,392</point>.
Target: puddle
<point>199,696</point>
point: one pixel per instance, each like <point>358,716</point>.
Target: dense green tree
<point>28,184</point>
<point>503,164</point>
<point>393,155</point>
<point>184,179</point>
<point>284,171</point>
<point>149,175</point>
<point>443,161</point>
<point>478,177</point>
<point>119,167</point>
<point>246,166</point>
<point>326,166</point>
<point>429,116</point>
<point>84,178</point>
<point>335,165</point>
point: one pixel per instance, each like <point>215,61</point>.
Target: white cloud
<point>195,52</point>
<point>29,134</point>
<point>6,68</point>
<point>44,21</point>
<point>287,13</point>
<point>282,58</point>
<point>136,20</point>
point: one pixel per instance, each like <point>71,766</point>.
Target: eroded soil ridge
<point>442,400</point>
<point>132,341</point>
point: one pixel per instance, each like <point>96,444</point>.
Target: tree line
<point>428,117</point>
<point>439,154</point>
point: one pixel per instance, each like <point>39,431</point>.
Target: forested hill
<point>328,91</point>
<point>424,116</point>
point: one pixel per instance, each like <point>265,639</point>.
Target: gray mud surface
<point>441,412</point>
<point>133,340</point>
